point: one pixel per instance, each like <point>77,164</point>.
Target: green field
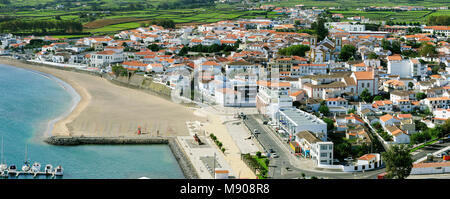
<point>361,3</point>
<point>403,16</point>
<point>112,19</point>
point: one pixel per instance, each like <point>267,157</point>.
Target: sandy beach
<point>106,109</point>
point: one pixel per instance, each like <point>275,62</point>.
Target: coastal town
<point>271,100</point>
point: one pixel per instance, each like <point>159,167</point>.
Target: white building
<point>105,58</point>
<point>437,102</point>
<point>313,147</point>
<point>430,168</point>
<point>347,27</point>
<point>405,68</point>
<point>293,120</point>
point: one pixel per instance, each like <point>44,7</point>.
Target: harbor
<point>34,171</point>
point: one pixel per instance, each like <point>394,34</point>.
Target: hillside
<point>102,4</point>
<point>360,3</point>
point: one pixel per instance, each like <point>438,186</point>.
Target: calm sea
<point>29,101</point>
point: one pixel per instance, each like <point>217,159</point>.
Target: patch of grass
<point>424,145</point>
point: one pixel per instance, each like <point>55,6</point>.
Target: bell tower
<point>338,43</point>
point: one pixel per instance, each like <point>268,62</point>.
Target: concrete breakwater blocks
<point>79,140</point>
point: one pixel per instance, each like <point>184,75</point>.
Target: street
<point>277,166</point>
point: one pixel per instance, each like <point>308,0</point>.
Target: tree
<point>378,98</point>
<point>446,127</point>
<point>421,96</point>
<point>365,96</point>
<point>319,28</point>
<point>410,85</point>
<point>324,109</point>
<point>398,161</point>
<point>347,52</point>
<point>372,55</point>
<point>427,50</point>
<point>298,50</point>
<point>330,123</point>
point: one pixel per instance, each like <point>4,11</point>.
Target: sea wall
<point>184,162</point>
<point>142,83</point>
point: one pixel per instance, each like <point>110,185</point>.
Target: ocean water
<point>29,101</point>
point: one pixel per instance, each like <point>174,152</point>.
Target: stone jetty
<point>80,140</point>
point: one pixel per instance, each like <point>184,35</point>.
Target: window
<point>323,155</point>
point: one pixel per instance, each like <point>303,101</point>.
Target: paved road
<point>430,149</point>
<point>277,166</point>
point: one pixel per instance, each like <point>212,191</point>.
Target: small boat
<point>26,166</point>
<point>48,168</point>
<point>12,169</point>
<point>3,166</point>
<point>59,170</point>
<point>36,167</point>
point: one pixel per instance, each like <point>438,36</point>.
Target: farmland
<point>109,16</point>
<point>99,22</point>
<point>402,16</point>
<point>352,4</point>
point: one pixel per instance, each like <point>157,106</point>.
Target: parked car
<point>274,155</point>
<point>255,131</point>
<point>266,122</point>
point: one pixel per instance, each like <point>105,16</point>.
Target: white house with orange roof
<point>441,113</point>
<point>437,102</point>
<point>366,80</point>
<point>388,119</point>
<point>298,95</point>
<point>430,168</point>
<point>212,66</point>
<point>382,105</point>
<point>155,67</point>
<point>445,30</point>
<point>399,136</point>
<point>135,65</point>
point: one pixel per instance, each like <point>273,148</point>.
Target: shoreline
<point>80,97</point>
<point>76,98</point>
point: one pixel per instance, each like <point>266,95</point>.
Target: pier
<point>34,174</point>
<point>80,140</point>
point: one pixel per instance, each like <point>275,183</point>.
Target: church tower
<point>338,43</point>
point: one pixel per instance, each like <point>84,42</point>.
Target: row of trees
<point>295,50</point>
<point>442,20</point>
<point>166,23</point>
<point>426,134</point>
<point>185,4</point>
<point>208,49</point>
<point>43,26</point>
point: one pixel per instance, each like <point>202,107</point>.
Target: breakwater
<point>80,140</point>
<point>183,161</point>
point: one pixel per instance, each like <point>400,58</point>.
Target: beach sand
<point>106,109</point>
